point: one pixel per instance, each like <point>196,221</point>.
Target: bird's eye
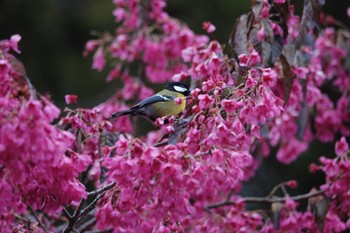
<point>180,89</point>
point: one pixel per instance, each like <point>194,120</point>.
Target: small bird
<point>160,104</point>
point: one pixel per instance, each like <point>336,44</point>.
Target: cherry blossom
<point>268,97</point>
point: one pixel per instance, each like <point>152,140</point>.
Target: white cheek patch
<point>180,89</point>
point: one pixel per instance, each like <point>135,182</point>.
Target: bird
<point>160,104</point>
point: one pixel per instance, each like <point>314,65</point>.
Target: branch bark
<point>80,213</point>
<point>267,199</point>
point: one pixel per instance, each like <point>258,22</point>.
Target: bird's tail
<point>122,113</point>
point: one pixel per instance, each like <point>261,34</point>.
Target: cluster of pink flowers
<point>337,187</point>
<point>148,35</point>
<point>37,168</point>
<point>173,179</point>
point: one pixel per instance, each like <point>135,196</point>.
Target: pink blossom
<point>341,146</point>
<point>255,130</point>
<point>195,92</point>
<point>277,29</point>
<point>122,145</point>
<point>188,54</point>
<point>80,161</point>
<point>208,86</point>
<point>166,180</point>
<point>205,101</point>
<point>99,59</point>
<point>119,14</point>
<point>14,42</point>
<point>261,34</point>
<point>91,45</point>
<point>333,223</point>
<point>71,99</point>
<point>254,57</point>
<point>50,110</point>
<point>251,80</point>
<point>243,60</point>
<point>7,45</point>
<point>180,77</point>
<point>269,77</point>
<point>265,9</point>
<point>292,183</point>
<point>290,203</point>
<point>289,150</point>
<point>301,72</point>
<point>114,73</point>
<point>231,105</point>
<point>208,27</point>
<point>4,68</point>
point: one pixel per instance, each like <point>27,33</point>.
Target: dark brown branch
<point>267,199</point>
<point>66,213</point>
<point>24,219</point>
<point>100,231</point>
<point>77,211</point>
<point>90,207</point>
<point>81,213</point>
<point>86,225</point>
<point>101,190</point>
<point>37,219</point>
<point>159,144</point>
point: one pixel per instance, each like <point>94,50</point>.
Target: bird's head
<point>178,87</point>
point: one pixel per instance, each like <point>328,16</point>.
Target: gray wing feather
<point>139,108</point>
<point>153,99</point>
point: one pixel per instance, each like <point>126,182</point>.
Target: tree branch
<point>159,144</point>
<point>101,190</point>
<point>100,231</point>
<point>266,199</point>
<point>66,213</point>
<point>86,225</point>
<point>37,219</point>
<point>89,208</point>
<point>80,213</point>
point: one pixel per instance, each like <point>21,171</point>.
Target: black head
<point>178,87</point>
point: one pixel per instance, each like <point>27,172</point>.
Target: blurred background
<point>54,33</point>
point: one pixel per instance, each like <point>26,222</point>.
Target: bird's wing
<point>153,99</point>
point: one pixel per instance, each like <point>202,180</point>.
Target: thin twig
<point>89,208</point>
<point>159,144</point>
<point>87,224</point>
<point>266,199</point>
<point>230,195</point>
<point>66,213</point>
<point>81,213</point>
<point>274,189</point>
<point>37,218</point>
<point>24,219</point>
<point>73,218</point>
<point>78,209</point>
<point>284,190</point>
<point>103,189</point>
<point>100,231</point>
